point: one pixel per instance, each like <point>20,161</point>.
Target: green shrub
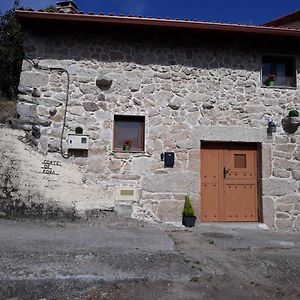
<point>293,113</point>
<point>188,210</point>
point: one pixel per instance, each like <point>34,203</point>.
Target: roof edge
<point>24,15</point>
<point>291,17</point>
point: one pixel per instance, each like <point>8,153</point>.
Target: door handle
<point>225,172</point>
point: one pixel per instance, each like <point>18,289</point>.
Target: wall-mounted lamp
<point>271,127</point>
<point>36,131</point>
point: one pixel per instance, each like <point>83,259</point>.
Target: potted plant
<point>271,80</point>
<point>291,123</point>
<point>188,214</point>
<point>127,145</point>
<point>78,130</point>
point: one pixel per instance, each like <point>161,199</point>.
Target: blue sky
<point>235,11</point>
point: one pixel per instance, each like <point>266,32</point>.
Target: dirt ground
<point>115,258</point>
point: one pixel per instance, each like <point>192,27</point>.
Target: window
<point>240,161</point>
<point>129,133</point>
<point>279,71</point>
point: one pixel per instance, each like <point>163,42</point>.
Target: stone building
<point>145,93</point>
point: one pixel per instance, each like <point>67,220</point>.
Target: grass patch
<point>7,110</point>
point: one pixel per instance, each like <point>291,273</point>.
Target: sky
<point>233,11</point>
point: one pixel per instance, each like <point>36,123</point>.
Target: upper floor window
<point>278,71</point>
<point>129,133</point>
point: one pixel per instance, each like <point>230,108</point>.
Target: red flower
<point>128,142</point>
<point>272,76</point>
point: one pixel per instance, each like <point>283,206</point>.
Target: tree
<point>11,55</point>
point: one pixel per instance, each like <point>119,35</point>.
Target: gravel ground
<point>116,258</point>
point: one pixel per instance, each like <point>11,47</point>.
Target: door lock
<point>225,172</point>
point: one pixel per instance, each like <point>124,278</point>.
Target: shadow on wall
<point>145,46</point>
<point>15,203</point>
<point>7,111</point>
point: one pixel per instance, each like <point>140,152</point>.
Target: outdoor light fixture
<point>36,131</point>
<point>271,127</point>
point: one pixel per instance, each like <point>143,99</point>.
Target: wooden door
<point>229,182</point>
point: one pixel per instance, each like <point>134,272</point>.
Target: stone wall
<point>184,91</point>
<point>28,189</point>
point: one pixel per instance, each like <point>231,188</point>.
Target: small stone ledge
<point>126,177</point>
<point>128,156</point>
<point>230,134</point>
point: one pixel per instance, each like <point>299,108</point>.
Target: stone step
<point>123,209</point>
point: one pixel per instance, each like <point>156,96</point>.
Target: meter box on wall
<point>78,141</point>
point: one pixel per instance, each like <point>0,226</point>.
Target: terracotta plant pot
<point>290,124</point>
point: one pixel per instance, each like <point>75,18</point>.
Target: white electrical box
<point>78,141</point>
